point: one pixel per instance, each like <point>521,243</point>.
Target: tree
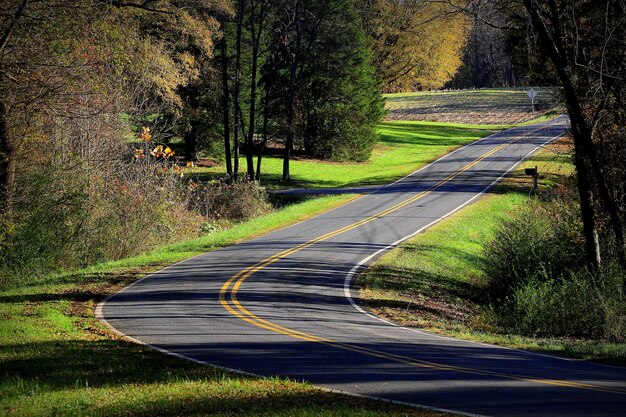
<point>584,41</point>
<point>55,53</point>
<point>339,102</point>
<point>487,57</point>
<point>415,44</point>
<point>326,100</point>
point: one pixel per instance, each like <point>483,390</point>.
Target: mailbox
<point>531,171</point>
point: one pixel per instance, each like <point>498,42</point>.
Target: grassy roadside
<point>403,148</point>
<point>434,280</point>
<point>57,359</point>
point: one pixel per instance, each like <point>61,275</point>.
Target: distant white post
<point>532,94</point>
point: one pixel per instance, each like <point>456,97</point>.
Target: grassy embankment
<point>57,359</point>
<point>434,280</point>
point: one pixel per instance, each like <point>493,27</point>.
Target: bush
<point>238,201</point>
<point>69,214</point>
<point>539,244</point>
<point>578,305</point>
<point>537,280</point>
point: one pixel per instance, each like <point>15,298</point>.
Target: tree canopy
<point>416,44</point>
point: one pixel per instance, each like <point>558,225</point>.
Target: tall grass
<point>539,283</point>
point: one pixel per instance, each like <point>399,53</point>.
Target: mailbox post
<point>533,173</point>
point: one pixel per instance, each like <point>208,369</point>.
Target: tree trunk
<point>293,66</point>
<point>4,38</point>
<point>7,166</point>
<point>590,231</point>
<point>237,87</point>
<point>226,107</point>
<point>256,39</point>
<point>191,144</point>
<point>290,116</point>
<point>266,113</point>
<point>584,146</point>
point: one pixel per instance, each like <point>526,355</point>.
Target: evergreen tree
<point>327,101</point>
<point>340,101</point>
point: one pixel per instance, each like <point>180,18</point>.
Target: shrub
<point>540,243</point>
<point>537,280</point>
<point>236,201</point>
<point>581,304</point>
<point>70,213</point>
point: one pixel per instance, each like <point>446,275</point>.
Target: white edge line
<point>425,407</point>
<point>351,275</point>
<point>100,317</point>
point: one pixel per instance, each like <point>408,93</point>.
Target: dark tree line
<point>581,46</point>
<point>297,74</point>
<point>585,43</point>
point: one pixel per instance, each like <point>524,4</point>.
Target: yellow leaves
<point>144,134</point>
<point>162,162</point>
<point>414,43</point>
<point>161,152</point>
<point>157,152</point>
<point>189,164</point>
<point>168,152</point>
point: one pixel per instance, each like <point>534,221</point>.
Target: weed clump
<point>73,211</point>
<point>221,201</point>
<point>538,283</point>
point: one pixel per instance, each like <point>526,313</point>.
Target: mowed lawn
<point>403,148</point>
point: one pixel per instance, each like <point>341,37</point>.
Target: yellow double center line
<point>233,306</point>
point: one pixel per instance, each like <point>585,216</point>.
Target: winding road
<point>281,304</point>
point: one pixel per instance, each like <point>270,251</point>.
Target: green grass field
<point>433,281</point>
<point>403,148</point>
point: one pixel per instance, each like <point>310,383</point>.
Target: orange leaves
<point>161,157</point>
<point>167,152</point>
<point>178,170</point>
<point>144,134</point>
<point>161,152</point>
<point>157,152</point>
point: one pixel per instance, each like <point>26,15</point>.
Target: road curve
<point>280,304</point>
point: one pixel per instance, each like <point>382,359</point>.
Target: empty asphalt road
<point>281,305</point>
